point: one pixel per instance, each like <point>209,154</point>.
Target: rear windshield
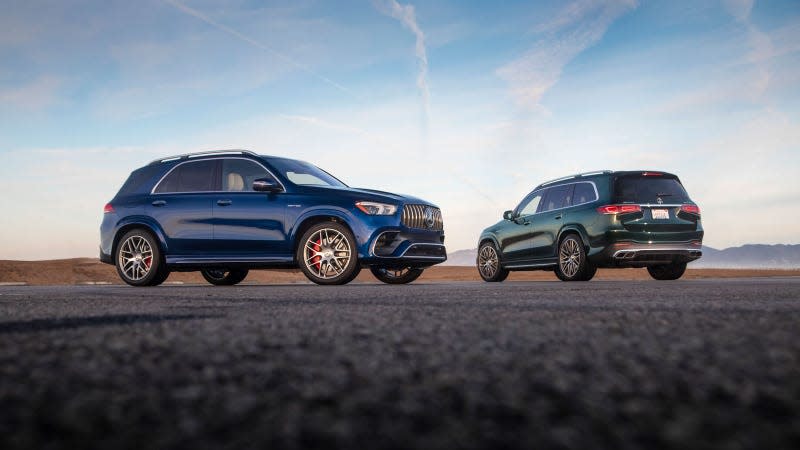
<point>642,189</point>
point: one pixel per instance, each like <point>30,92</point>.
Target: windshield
<point>648,189</point>
<point>303,173</point>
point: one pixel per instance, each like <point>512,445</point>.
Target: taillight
<point>619,209</point>
<point>108,209</point>
<point>691,209</point>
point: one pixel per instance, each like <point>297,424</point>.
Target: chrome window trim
<point>594,186</point>
<point>153,191</point>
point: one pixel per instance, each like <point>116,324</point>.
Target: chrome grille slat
<point>414,217</point>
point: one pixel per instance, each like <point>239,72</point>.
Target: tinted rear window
<point>641,189</point>
<point>137,180</point>
<point>558,197</point>
<point>190,177</point>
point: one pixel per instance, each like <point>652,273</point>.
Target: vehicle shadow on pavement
<point>31,326</point>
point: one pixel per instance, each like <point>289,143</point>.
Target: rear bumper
<point>637,254</point>
<point>106,258</point>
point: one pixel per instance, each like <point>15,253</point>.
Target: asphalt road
<point>686,364</point>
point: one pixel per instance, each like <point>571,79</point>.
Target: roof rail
<point>199,154</point>
<point>577,175</point>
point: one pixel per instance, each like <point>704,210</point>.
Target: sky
<point>466,104</point>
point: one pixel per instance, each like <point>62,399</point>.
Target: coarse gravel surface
<point>608,364</point>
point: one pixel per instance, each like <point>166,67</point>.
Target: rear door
<point>550,220</point>
<point>181,204</point>
<point>660,197</point>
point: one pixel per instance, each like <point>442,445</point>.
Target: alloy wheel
<point>135,257</point>
<point>488,261</point>
<point>327,253</point>
<point>569,257</point>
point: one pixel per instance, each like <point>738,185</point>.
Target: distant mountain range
<point>750,256</point>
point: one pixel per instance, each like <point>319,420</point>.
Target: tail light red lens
<point>108,209</point>
<point>691,209</point>
<point>619,209</point>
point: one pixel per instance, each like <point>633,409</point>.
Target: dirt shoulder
<point>89,270</point>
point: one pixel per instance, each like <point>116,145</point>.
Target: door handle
<point>159,203</point>
<point>224,202</point>
<point>558,217</point>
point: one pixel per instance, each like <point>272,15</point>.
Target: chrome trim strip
<point>596,197</point>
<point>656,250</point>
<point>153,191</point>
<point>522,266</point>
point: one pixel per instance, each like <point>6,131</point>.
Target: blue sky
<point>466,104</point>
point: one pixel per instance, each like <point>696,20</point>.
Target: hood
<point>371,195</point>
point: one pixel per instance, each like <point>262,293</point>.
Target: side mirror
<point>508,215</point>
<point>266,185</point>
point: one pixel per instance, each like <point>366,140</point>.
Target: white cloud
<point>39,94</point>
<point>407,16</point>
<point>577,27</point>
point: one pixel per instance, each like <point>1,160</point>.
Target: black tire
<point>139,260</point>
<point>667,271</point>
<point>489,265</point>
<point>572,263</point>
<point>327,254</point>
<point>403,275</point>
<point>224,277</point>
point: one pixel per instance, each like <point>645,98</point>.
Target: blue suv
<point>226,212</point>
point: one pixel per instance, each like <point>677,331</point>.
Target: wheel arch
<point>143,223</point>
<point>313,219</point>
<point>573,229</point>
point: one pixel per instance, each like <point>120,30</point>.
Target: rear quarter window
<point>139,180</point>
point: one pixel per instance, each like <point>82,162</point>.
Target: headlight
<point>376,209</point>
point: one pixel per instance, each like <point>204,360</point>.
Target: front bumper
<point>406,248</point>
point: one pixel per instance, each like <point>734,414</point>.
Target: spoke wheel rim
<point>327,253</point>
<point>217,274</point>
<point>488,261</point>
<point>569,257</point>
<point>135,258</point>
<point>395,273</point>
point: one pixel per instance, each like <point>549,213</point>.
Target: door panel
<point>185,220</point>
<point>250,224</point>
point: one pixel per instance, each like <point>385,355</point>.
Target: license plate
<point>660,214</point>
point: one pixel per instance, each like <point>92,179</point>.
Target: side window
<point>558,197</point>
<point>530,204</point>
<point>195,176</point>
<point>239,174</point>
<point>584,193</point>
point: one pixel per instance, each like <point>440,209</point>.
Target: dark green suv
<point>575,224</point>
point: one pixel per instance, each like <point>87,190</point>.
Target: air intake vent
<point>422,217</point>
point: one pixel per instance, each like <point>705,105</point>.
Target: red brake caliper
<point>148,261</point>
<point>317,259</point>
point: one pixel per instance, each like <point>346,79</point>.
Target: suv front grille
<point>423,217</point>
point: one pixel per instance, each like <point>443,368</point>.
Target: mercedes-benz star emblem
<point>429,219</point>
<point>659,201</point>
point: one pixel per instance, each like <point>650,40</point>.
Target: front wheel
<point>404,275</point>
<point>572,262</point>
<point>327,254</point>
<point>488,262</point>
<point>138,259</point>
<point>667,271</point>
<point>224,277</point>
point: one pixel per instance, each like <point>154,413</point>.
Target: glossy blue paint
<point>257,229</point>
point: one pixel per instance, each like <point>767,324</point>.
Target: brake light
<point>108,209</point>
<point>691,209</point>
<point>619,209</point>
<point>652,174</point>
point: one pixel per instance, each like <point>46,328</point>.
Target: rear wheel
<point>403,275</point>
<point>224,277</point>
<point>572,262</point>
<point>139,260</point>
<point>327,254</point>
<point>667,271</point>
<point>488,262</point>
